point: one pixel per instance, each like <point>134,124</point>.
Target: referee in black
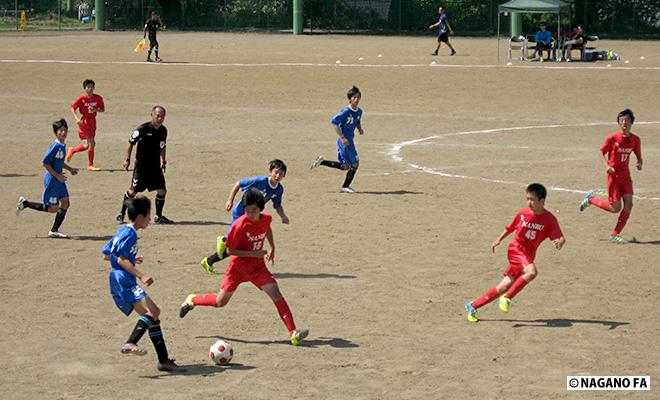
<point>150,163</point>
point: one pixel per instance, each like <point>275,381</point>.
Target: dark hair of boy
<point>538,190</point>
<point>277,164</point>
<point>354,91</point>
<point>59,124</point>
<point>252,197</point>
<point>136,206</point>
<point>627,112</point>
<point>155,13</point>
<point>87,82</point>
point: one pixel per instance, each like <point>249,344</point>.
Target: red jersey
<point>618,149</point>
<point>248,235</point>
<point>87,107</point>
<point>532,229</point>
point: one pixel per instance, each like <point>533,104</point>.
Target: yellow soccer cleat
<point>298,335</point>
<point>504,304</point>
<point>207,267</point>
<point>472,313</point>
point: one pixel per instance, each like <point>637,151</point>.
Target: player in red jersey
<point>615,155</point>
<point>88,104</point>
<point>245,244</point>
<point>532,226</point>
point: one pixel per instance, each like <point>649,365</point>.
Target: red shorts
<point>240,271</point>
<point>518,259</point>
<point>619,186</point>
<point>87,129</point>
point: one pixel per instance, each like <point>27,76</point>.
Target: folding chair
<point>518,42</point>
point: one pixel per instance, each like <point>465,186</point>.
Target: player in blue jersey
<point>55,198</point>
<point>271,188</point>
<point>444,29</point>
<point>344,124</point>
<point>122,252</point>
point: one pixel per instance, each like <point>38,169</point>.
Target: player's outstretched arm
<point>270,255</point>
<point>74,171</point>
<point>434,25</point>
<point>128,266</point>
<point>232,194</point>
<point>497,241</point>
<point>75,116</point>
<point>282,214</point>
<point>603,159</point>
<point>359,128</point>
<point>340,134</point>
<point>559,243</point>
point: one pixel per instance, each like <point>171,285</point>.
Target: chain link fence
<point>613,18</point>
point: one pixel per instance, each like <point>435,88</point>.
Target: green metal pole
<point>516,23</point>
<point>100,15</point>
<point>297,17</point>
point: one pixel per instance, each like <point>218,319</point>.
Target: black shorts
<point>152,41</point>
<point>148,180</point>
<point>443,37</point>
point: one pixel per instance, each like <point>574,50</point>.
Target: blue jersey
<point>54,157</point>
<point>123,244</point>
<point>347,120</point>
<point>442,24</point>
<point>261,184</point>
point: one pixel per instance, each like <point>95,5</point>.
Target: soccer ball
<point>221,352</point>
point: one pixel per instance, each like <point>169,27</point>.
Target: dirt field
<point>381,277</point>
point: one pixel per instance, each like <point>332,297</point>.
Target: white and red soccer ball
<point>221,352</point>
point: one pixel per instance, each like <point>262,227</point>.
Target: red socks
<point>517,286</point>
<point>490,295</point>
<point>285,314</point>
<point>90,157</point>
<point>623,218</point>
<point>208,300</point>
<point>604,204</point>
<point>78,149</point>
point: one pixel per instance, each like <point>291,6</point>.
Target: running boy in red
<point>88,104</point>
<point>532,226</point>
<point>245,244</point>
<point>615,155</point>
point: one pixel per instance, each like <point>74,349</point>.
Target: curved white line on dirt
<point>395,153</point>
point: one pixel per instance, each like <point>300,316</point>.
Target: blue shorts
<point>347,155</point>
<point>125,291</point>
<point>53,193</point>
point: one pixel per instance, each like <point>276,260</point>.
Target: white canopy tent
<point>531,7</point>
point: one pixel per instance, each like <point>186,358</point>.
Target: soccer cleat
<point>221,248</point>
<point>435,53</point>
<point>163,220</point>
<point>472,313</point>
<point>130,348</point>
<point>69,155</point>
<point>207,267</point>
<point>348,189</point>
<point>57,234</point>
<point>158,59</point>
<point>149,60</point>
<point>169,366</point>
<point>619,239</point>
<point>317,161</point>
<point>585,201</point>
<point>186,306</point>
<point>120,219</point>
<point>453,52</point>
<point>20,206</point>
<point>504,304</point>
<point>93,168</point>
<point>298,335</point>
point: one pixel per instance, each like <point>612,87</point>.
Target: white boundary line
<point>395,153</point>
<point>325,65</point>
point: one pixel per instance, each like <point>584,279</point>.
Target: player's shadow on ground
<point>560,323</point>
<point>337,343</point>
<point>200,223</point>
<point>201,370</point>
<point>391,192</point>
<point>635,241</point>
<point>297,275</point>
<point>102,238</point>
<point>15,175</point>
